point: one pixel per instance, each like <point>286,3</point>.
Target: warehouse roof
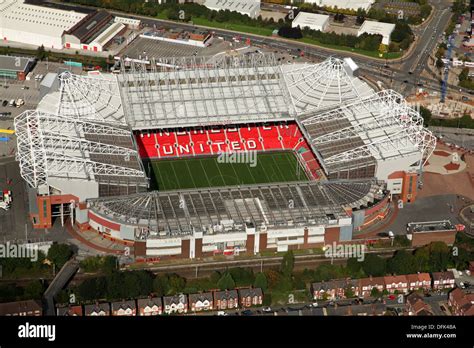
<point>242,6</point>
<point>90,25</point>
<point>15,14</point>
<point>15,63</point>
<point>311,20</point>
<point>345,4</point>
<point>380,28</point>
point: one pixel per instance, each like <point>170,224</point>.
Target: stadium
<point>136,156</point>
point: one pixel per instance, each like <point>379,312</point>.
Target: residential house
<point>250,297</point>
<point>227,299</point>
<point>124,308</point>
<point>321,290</point>
<point>334,289</point>
<point>69,311</point>
<point>201,302</point>
<point>21,308</point>
<point>98,309</point>
<point>415,305</point>
<point>149,306</point>
<point>175,304</point>
<point>396,284</point>
<point>443,280</point>
<point>461,303</point>
<point>418,281</point>
<point>367,284</point>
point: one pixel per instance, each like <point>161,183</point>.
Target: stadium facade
<point>82,153</point>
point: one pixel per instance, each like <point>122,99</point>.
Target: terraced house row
<point>205,301</point>
<point>402,284</point>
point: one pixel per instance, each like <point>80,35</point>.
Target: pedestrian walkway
<point>94,240</point>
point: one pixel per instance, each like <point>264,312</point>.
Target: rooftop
<point>227,209</point>
<point>16,14</point>
<point>15,63</point>
<point>307,19</point>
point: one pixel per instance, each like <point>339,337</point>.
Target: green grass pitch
<point>208,172</point>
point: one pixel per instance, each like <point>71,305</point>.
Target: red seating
<point>200,140</point>
<point>270,135</point>
<point>210,141</point>
<point>250,137</point>
<point>234,139</point>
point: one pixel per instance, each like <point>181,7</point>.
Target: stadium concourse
<point>86,153</point>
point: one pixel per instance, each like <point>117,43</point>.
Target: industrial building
<point>88,162</point>
<point>55,28</point>
<point>35,25</point>
<point>250,8</point>
<point>353,5</point>
<point>377,28</point>
<point>15,68</point>
<point>93,32</point>
<point>312,21</point>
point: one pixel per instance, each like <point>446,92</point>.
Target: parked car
<point>5,103</point>
<point>266,309</point>
<point>222,313</point>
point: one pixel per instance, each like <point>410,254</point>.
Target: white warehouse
<point>313,21</point>
<point>353,5</point>
<point>250,8</point>
<point>35,25</point>
<point>377,28</point>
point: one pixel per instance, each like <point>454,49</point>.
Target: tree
<point>109,264</point>
<point>41,53</point>
<point>59,254</point>
<point>375,292</point>
<point>226,282</point>
<point>160,286</point>
<point>34,290</point>
<point>260,281</point>
<point>422,259</point>
<point>348,292</point>
<point>176,283</point>
<point>402,263</point>
<point>439,256</point>
<point>287,263</point>
<point>374,265</point>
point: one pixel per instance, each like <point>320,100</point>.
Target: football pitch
<point>209,172</point>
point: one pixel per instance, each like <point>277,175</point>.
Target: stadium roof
<point>314,86</point>
<point>194,94</point>
<point>375,128</point>
<point>62,147</point>
<point>228,209</point>
<point>94,98</point>
<point>250,89</point>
